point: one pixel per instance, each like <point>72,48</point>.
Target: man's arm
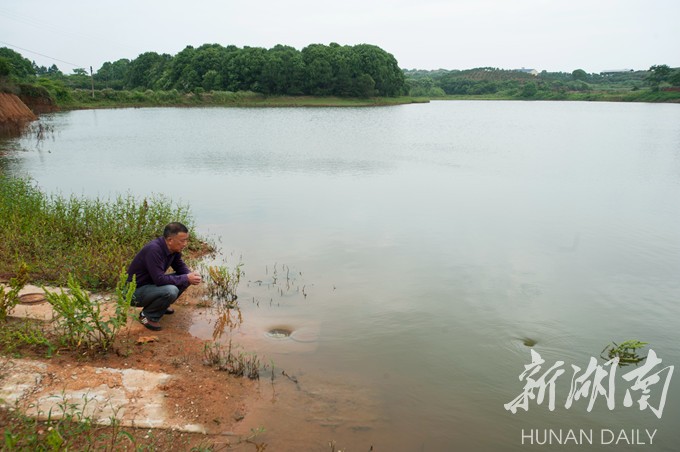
<point>155,265</point>
<point>180,267</point>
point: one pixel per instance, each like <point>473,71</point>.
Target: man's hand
<point>194,278</point>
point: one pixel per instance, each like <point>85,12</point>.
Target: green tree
<point>283,71</point>
<point>344,69</point>
<point>657,75</point>
<point>79,79</point>
<point>382,67</point>
<point>113,75</point>
<point>209,58</point>
<point>579,74</point>
<point>423,87</point>
<point>318,76</point>
<point>21,68</point>
<point>212,81</point>
<point>364,86</point>
<point>188,79</point>
<point>529,90</point>
<point>5,67</point>
<point>674,78</point>
<point>178,72</point>
<point>246,69</point>
<point>145,70</point>
<point>54,71</point>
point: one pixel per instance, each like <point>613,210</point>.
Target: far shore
<point>86,102</point>
<point>207,100</point>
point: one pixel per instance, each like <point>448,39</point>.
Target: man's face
<point>176,243</point>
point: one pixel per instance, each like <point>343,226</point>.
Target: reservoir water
<point>417,255</point>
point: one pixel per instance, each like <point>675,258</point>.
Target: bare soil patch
<point>196,393</point>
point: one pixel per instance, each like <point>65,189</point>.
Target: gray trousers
<point>155,299</point>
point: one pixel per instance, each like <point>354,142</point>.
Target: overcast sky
<point>552,35</point>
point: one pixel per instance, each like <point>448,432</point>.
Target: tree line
<point>318,70</point>
<point>362,70</point>
<point>489,81</point>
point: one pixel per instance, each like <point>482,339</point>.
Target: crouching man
<point>157,289</point>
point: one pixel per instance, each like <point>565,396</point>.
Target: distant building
<point>527,71</point>
<point>616,71</point>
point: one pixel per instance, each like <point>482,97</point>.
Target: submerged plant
<point>231,318</point>
<point>222,282</point>
<point>234,362</point>
<point>626,352</point>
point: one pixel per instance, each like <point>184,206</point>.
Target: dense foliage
<point>328,70</point>
<point>500,83</point>
<point>230,75</point>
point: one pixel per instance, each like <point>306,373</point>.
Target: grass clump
<point>232,361</point>
<point>58,236</point>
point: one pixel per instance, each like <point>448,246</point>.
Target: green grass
<point>108,98</point>
<point>91,239</point>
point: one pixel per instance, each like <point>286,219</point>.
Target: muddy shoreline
<point>214,403</point>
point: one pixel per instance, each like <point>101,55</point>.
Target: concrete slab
<point>135,397</point>
<point>18,379</point>
<point>38,308</point>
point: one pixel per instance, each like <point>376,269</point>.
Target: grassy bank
<point>82,99</point>
<point>108,98</point>
<point>91,239</point>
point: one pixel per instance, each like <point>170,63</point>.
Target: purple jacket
<point>152,262</point>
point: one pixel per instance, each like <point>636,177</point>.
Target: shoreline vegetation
<point>103,99</point>
<point>54,237</point>
<point>319,75</point>
<point>82,100</point>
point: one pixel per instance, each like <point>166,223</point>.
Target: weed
<point>66,428</point>
<point>235,363</point>
<point>25,333</point>
<point>222,282</point>
<point>81,322</point>
<point>231,318</point>
<point>10,298</point>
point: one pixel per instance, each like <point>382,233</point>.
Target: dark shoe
<point>150,324</point>
<point>169,311</point>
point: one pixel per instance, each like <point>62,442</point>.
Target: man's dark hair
<point>174,229</point>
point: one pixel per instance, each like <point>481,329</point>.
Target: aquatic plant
<point>626,352</point>
<point>221,282</point>
<point>229,318</point>
<point>232,361</point>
